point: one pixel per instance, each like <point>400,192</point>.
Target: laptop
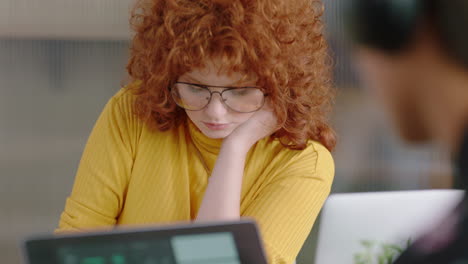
<point>354,225</point>
<point>209,243</point>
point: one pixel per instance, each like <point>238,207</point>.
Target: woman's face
<point>216,120</point>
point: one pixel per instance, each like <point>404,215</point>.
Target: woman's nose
<point>216,107</point>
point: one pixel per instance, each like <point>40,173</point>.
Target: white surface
<point>389,217</point>
<point>65,19</point>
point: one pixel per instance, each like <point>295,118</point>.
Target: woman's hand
<point>262,124</point>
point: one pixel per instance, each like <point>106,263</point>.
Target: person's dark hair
<point>389,25</point>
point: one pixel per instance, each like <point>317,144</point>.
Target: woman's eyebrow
<point>241,84</point>
<point>194,80</point>
<point>189,79</point>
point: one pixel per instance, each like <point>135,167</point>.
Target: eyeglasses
<point>195,97</point>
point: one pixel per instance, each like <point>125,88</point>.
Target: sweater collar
<point>203,143</point>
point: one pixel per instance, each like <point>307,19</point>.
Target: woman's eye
<point>196,89</point>
<point>240,92</point>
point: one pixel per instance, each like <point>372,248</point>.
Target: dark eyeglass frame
<point>226,88</point>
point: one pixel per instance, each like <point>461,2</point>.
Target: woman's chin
<point>216,134</point>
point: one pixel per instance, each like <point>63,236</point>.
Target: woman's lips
<point>216,126</point>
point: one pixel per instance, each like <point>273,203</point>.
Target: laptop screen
<point>235,242</point>
<point>213,248</point>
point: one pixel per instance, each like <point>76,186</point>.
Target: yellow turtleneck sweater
<point>132,175</point>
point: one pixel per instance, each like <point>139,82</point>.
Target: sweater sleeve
<point>287,207</point>
<point>100,185</point>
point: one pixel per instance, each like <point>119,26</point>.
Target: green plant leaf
<point>368,243</point>
<point>378,253</point>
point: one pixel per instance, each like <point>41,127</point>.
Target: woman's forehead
<point>213,73</point>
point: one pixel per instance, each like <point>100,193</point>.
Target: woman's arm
<point>102,177</point>
<point>222,195</point>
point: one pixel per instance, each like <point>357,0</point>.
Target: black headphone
<point>389,25</point>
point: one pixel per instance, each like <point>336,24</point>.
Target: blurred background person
<point>413,55</point>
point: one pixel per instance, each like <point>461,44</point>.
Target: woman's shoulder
<point>125,103</point>
<point>120,109</point>
<point>314,157</point>
<point>317,154</point>
<point>125,95</point>
<point>312,148</point>
<point>321,151</point>
<point>322,156</point>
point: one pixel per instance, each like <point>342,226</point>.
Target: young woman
<point>226,117</point>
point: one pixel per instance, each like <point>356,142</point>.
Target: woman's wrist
<point>235,147</point>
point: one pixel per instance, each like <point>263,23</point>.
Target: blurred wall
<point>54,81</point>
<point>51,92</point>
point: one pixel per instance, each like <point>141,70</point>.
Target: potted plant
<point>379,253</point>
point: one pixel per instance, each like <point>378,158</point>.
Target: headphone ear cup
<point>383,24</point>
<point>452,20</point>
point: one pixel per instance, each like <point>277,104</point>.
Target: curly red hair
<point>281,41</point>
